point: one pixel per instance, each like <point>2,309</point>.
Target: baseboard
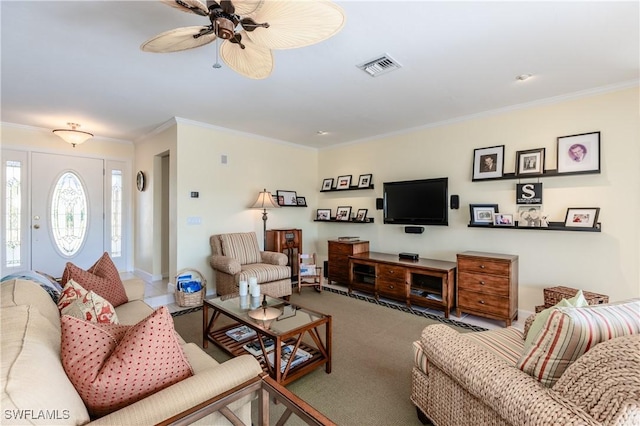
<point>147,277</point>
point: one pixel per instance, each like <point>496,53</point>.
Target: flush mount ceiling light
<point>321,133</point>
<point>523,77</point>
<point>251,29</point>
<point>73,136</point>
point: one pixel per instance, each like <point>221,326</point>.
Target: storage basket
<point>553,295</point>
<point>184,299</point>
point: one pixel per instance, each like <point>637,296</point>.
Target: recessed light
<point>523,77</point>
<point>321,133</point>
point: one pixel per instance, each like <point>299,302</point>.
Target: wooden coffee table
<point>297,326</point>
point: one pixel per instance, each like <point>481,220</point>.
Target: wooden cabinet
<point>488,285</point>
<point>339,252</point>
<point>287,241</point>
<point>425,282</point>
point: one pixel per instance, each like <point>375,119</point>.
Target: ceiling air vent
<point>379,66</point>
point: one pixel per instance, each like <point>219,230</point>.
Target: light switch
<point>194,220</point>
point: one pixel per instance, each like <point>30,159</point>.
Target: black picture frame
<point>343,213</point>
<point>488,163</point>
<point>302,201</point>
<point>482,214</point>
<point>289,198</point>
<point>361,215</point>
<point>343,182</point>
<point>327,184</point>
<point>364,181</point>
<point>323,214</point>
<point>578,153</point>
<point>582,217</point>
<point>530,162</point>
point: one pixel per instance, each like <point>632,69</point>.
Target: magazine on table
<point>253,347</point>
<point>286,353</point>
<point>241,333</point>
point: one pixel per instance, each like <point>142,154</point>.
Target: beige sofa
<point>36,389</point>
<point>237,256</point>
<point>473,379</point>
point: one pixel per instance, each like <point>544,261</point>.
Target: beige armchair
<point>236,257</point>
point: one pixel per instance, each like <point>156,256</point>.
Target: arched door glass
<point>69,214</point>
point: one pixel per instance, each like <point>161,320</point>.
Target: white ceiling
<point>81,62</point>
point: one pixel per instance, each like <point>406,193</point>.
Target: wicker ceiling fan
<point>251,29</point>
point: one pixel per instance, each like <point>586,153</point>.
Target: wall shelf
<point>293,206</point>
<point>547,173</point>
<point>351,188</point>
<point>553,226</point>
<point>333,220</point>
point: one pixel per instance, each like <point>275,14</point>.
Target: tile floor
<point>159,293</point>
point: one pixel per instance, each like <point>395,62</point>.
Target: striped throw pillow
<point>241,246</point>
<point>571,332</point>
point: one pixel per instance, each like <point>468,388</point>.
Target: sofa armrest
<point>225,264</point>
<point>185,394</point>
<point>510,392</point>
<point>134,287</point>
<point>274,258</point>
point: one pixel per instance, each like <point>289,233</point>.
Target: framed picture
<point>275,199</point>
<point>301,201</point>
<point>585,217</point>
<point>289,198</point>
<point>364,181</point>
<point>343,213</point>
<point>344,182</point>
<point>482,214</point>
<point>529,216</point>
<point>530,162</point>
<point>502,219</point>
<point>579,153</point>
<point>323,214</point>
<point>327,184</point>
<point>488,163</point>
<point>361,216</point>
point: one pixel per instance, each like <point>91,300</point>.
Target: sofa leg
<point>423,417</point>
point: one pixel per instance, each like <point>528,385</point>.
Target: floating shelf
<point>293,206</point>
<point>547,173</point>
<point>351,188</point>
<point>553,226</point>
<point>333,220</point>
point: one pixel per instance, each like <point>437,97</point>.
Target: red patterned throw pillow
<point>112,366</point>
<point>80,303</point>
<point>102,278</point>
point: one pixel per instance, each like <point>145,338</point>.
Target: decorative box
<point>553,295</point>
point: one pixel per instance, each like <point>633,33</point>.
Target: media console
<point>425,282</point>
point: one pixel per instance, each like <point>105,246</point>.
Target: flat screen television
<point>416,202</point>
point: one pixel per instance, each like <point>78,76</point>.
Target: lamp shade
<point>73,136</point>
<point>265,201</point>
<point>265,315</point>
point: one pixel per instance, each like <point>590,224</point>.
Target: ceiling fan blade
<point>227,7</point>
<point>254,61</point>
<point>193,6</point>
<point>179,39</point>
<point>296,23</point>
<point>247,7</point>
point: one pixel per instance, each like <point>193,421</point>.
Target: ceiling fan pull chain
<point>217,64</point>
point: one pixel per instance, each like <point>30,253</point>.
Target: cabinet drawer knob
<point>391,271</point>
<point>481,266</point>
<point>481,302</point>
<point>481,282</point>
<point>391,287</point>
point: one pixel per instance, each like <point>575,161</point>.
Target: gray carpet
<point>370,382</point>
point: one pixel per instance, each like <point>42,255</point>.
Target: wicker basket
<point>191,299</point>
<point>553,295</point>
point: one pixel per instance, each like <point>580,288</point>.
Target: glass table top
<point>292,316</point>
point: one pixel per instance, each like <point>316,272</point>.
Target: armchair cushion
<point>571,332</point>
<point>241,246</point>
<point>264,273</point>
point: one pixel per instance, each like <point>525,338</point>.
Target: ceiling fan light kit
<point>251,29</point>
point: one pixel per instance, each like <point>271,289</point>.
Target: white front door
<point>67,212</point>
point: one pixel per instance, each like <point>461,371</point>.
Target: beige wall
<point>605,262</point>
<point>225,190</point>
